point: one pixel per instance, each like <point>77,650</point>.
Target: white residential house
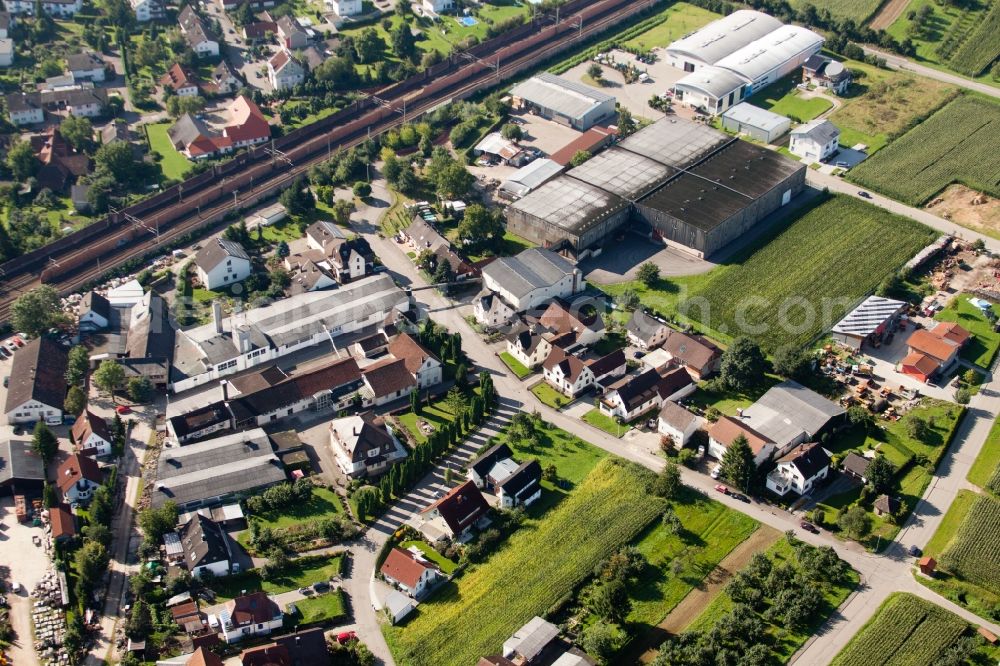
<point>630,397</point>
<point>724,432</point>
<point>364,445</point>
<point>677,423</point>
<point>92,435</point>
<point>198,33</point>
<point>532,277</point>
<point>37,386</point>
<point>93,312</point>
<point>206,547</point>
<point>410,571</point>
<point>57,8</point>
<point>514,484</point>
<point>800,470</point>
<point>645,332</point>
<point>815,141</point>
<point>424,366</point>
<point>283,71</point>
<point>249,615</point>
<point>221,263</point>
<point>566,373</point>
<point>438,6</point>
<point>6,52</point>
<point>346,8</point>
<point>491,311</point>
<point>86,66</point>
<point>148,10</point>
<point>24,109</point>
<point>529,349</point>
<point>78,477</point>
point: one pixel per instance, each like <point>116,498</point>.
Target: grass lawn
<point>323,504</point>
<point>985,472</point>
<point>728,402</point>
<point>173,164</point>
<point>609,509</point>
<point>782,97</point>
<point>436,414</point>
<point>881,104</point>
<point>287,230</point>
<point>783,643</point>
<point>299,573</point>
<point>572,457</point>
<point>908,630</point>
<point>681,19</point>
<point>518,368</point>
<point>598,419</point>
<point>612,341</point>
<point>916,459</point>
<point>795,282</point>
<point>446,565</point>
<point>549,395</point>
<point>321,609</point>
<point>981,349</point>
<point>710,532</point>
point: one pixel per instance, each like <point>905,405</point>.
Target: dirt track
<point>698,599</point>
<point>888,14</point>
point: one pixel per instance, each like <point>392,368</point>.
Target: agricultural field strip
<point>975,550</point>
<point>981,47</point>
<point>961,142</point>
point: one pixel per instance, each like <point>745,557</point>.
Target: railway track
<point>265,173</point>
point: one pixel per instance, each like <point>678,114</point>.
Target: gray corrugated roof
<point>788,409</point>
<point>771,51</point>
<point>19,462</point>
<point>626,174</point>
<point>569,204</point>
<point>675,142</point>
<point>531,269</point>
<point>720,38</point>
<point>712,80</point>
<point>570,98</point>
<point>872,313</point>
<point>755,116</point>
<point>533,175</point>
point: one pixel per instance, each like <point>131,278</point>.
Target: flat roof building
<point>690,185</point>
<point>755,122</point>
<point>564,101</point>
<point>529,178</point>
<point>216,470</point>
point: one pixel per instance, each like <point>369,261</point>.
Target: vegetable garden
<point>906,630</point>
<point>974,553</point>
<point>961,142</point>
<point>608,510</point>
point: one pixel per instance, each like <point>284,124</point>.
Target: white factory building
<point>732,58</point>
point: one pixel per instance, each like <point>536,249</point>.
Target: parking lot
<point>26,569</point>
<point>621,264</point>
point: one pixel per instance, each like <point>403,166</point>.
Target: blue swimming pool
<point>467,21</point>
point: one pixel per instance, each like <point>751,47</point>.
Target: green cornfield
<point>993,484</point>
<point>859,10</point>
<point>906,631</point>
<point>543,561</point>
<point>981,47</point>
<point>805,279</point>
<point>959,143</point>
<point>974,553</point>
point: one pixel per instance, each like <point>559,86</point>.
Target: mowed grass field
<point>905,630</point>
<point>173,164</point>
<point>544,560</point>
<point>678,20</point>
<point>882,104</point>
<point>794,286</point>
<point>959,143</point>
<point>985,472</point>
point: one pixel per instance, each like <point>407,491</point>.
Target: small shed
<point>990,637</point>
<point>927,565</point>
<point>398,606</point>
<point>755,122</point>
<point>886,505</point>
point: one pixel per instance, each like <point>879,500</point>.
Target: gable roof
<point>403,566</point>
<point>405,348</point>
<point>937,347</point>
<point>887,504</point>
<point>77,468</point>
<point>523,481</point>
<point>635,390</point>
<point>216,251</point>
<point>196,29</point>
<point>203,657</point>
<point>62,521</point>
<point>38,372</point>
<point>642,326</point>
<point>389,377</point>
<point>856,464</point>
<point>461,507</point>
<point>94,302</point>
<point>922,363</point>
<point>204,542</point>
<point>255,608</point>
<point>85,60</point>
<point>247,121</point>
<point>789,408</point>
<point>570,366</point>
<point>150,334</point>
<point>330,377</point>
<point>674,415</point>
<point>692,351</point>
<point>563,317</point>
<point>820,131</point>
<point>423,235</point>
<point>485,462</point>
<point>607,363</point>
<point>951,332</point>
<point>179,77</point>
<point>809,459</point>
<point>531,269</point>
<point>727,429</point>
<point>361,435</point>
<point>89,423</point>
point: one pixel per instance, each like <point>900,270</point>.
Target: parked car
<point>741,497</point>
<point>5,353</point>
<point>809,527</point>
<point>11,347</point>
<point>321,586</point>
<point>346,637</point>
<point>914,551</point>
<point>123,409</point>
<point>715,471</point>
<point>864,195</point>
<point>6,381</point>
<point>306,591</point>
<point>722,489</point>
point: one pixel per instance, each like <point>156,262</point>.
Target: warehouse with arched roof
<point>768,59</point>
<point>718,39</point>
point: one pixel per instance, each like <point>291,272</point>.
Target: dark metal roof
<point>18,462</point>
<point>38,373</point>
